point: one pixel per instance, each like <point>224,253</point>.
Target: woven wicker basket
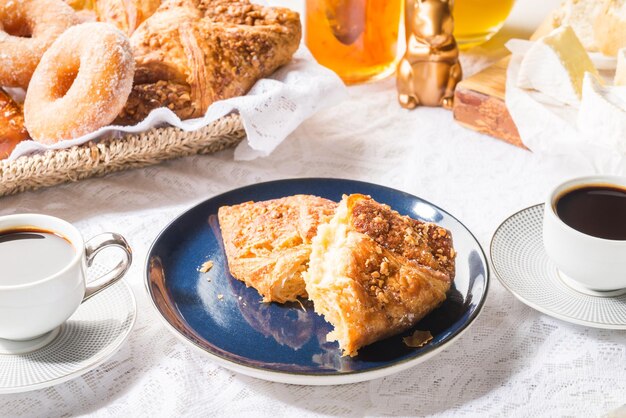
<point>106,156</point>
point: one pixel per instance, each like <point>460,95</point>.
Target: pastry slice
<point>374,273</point>
<point>127,15</point>
<point>191,53</point>
<point>268,243</point>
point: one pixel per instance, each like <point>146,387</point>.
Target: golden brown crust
<point>372,278</point>
<point>268,243</point>
<point>217,49</point>
<point>12,129</point>
<point>391,294</point>
<point>425,243</point>
<point>82,4</point>
<point>127,15</point>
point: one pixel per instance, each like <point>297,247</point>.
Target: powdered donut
<point>27,29</point>
<point>81,83</point>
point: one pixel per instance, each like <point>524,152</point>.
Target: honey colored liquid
<point>358,39</point>
<point>475,21</point>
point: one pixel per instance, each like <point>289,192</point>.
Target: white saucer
<point>523,267</point>
<point>27,346</point>
<point>92,335</point>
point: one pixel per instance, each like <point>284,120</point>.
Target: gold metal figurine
<point>430,68</point>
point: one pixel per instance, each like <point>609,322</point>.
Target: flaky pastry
<point>374,273</point>
<point>127,15</point>
<point>268,243</point>
<point>191,53</point>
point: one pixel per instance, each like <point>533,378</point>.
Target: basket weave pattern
<point>53,167</point>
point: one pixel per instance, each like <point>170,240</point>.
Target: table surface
<point>514,361</point>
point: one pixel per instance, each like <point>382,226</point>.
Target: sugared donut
<point>27,29</point>
<point>81,83</point>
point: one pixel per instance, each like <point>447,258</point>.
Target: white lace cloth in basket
<point>513,362</point>
<point>270,111</point>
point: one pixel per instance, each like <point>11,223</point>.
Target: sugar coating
<point>95,60</point>
<point>43,21</point>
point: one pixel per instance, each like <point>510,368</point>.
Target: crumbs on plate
<point>206,266</point>
<point>418,339</point>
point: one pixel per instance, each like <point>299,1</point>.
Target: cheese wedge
<point>555,66</point>
<point>602,113</point>
<point>620,71</point>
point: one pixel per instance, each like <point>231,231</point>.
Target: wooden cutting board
<point>479,99</point>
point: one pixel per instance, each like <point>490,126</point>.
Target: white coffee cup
<point>30,310</point>
<point>587,263</point>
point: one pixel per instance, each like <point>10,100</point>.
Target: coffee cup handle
<point>93,247</point>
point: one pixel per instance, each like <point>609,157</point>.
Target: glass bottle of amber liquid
<point>358,39</point>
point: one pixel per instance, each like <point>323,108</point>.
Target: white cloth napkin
<point>271,110</point>
<point>549,128</point>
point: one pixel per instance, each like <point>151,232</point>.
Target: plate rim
<point>303,378</point>
<point>533,305</point>
<point>88,367</point>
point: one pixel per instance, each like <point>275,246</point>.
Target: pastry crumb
<point>206,266</point>
<point>418,339</point>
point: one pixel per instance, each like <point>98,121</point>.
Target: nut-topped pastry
<point>127,15</point>
<point>268,243</point>
<point>191,53</point>
<point>374,273</point>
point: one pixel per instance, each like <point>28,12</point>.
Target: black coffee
<point>28,255</point>
<point>597,210</point>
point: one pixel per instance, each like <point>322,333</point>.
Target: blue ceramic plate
<point>287,343</point>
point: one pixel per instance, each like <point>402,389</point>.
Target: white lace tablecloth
<point>514,361</point>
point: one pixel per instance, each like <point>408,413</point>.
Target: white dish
<point>523,267</point>
<point>93,334</point>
